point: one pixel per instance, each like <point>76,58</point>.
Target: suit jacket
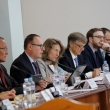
<point>46,70</point>
<point>90,59</point>
<point>68,61</point>
<point>24,64</point>
<point>107,57</point>
<point>11,83</point>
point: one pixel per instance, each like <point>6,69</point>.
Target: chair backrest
<point>64,104</point>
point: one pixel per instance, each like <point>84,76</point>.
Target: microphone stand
<point>55,93</point>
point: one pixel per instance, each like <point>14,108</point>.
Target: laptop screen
<point>78,71</point>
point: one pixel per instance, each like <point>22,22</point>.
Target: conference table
<point>100,96</point>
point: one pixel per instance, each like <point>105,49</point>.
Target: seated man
<point>106,53</point>
<point>92,54</point>
<point>33,50</point>
<point>72,56</point>
<point>7,82</point>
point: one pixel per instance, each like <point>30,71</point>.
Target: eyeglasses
<point>81,47</point>
<point>39,45</point>
<point>99,37</point>
<point>4,49</point>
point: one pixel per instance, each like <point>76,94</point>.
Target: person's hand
<point>42,85</point>
<point>7,94</point>
<point>96,72</point>
<point>48,79</point>
<point>66,78</point>
<point>105,46</point>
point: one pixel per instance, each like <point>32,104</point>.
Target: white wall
<point>58,18</point>
<point>11,28</point>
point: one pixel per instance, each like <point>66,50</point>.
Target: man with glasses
<point>72,56</point>
<point>92,54</point>
<point>33,50</point>
<point>6,81</point>
<point>106,53</point>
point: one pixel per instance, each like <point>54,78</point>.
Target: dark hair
<point>91,32</point>
<point>29,39</point>
<point>105,30</point>
<point>48,45</point>
<point>76,36</point>
<point>2,38</point>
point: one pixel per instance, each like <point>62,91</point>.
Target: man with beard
<point>92,54</point>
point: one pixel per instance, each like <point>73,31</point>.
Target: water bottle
<point>55,78</point>
<point>32,91</point>
<point>105,66</point>
<point>27,93</point>
<point>61,76</point>
<point>62,79</point>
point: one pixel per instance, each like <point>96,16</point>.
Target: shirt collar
<point>73,56</point>
<point>92,48</point>
<point>31,60</point>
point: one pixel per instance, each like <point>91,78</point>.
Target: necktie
<point>36,67</point>
<point>3,78</point>
<point>97,59</point>
<point>76,61</point>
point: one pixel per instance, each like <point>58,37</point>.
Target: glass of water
<point>18,100</point>
<point>65,90</point>
<point>77,80</point>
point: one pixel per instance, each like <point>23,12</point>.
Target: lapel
<point>28,64</point>
<point>70,60</point>
<point>91,53</point>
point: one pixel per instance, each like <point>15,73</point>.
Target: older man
<point>72,56</point>
<point>6,81</point>
<point>33,50</point>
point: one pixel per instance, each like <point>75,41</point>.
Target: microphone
<point>38,77</point>
<point>60,64</point>
<point>20,69</point>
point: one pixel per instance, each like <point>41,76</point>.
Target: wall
<point>11,28</point>
<point>58,18</point>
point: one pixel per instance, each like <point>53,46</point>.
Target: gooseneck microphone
<point>38,77</point>
<point>20,69</point>
<point>60,64</point>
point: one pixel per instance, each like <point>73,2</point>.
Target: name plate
<point>47,95</point>
<point>106,79</point>
<point>90,83</point>
<point>8,104</point>
<point>52,89</point>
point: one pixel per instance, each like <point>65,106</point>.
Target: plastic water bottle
<point>55,78</point>
<point>62,79</point>
<point>61,76</point>
<point>105,66</point>
<point>27,93</point>
<point>32,91</point>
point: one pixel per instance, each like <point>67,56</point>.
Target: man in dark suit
<point>92,54</point>
<point>7,82</point>
<point>33,50</point>
<point>72,56</point>
<point>106,53</point>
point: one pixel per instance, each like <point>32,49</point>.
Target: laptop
<point>78,71</point>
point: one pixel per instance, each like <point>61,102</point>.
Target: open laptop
<point>78,71</point>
